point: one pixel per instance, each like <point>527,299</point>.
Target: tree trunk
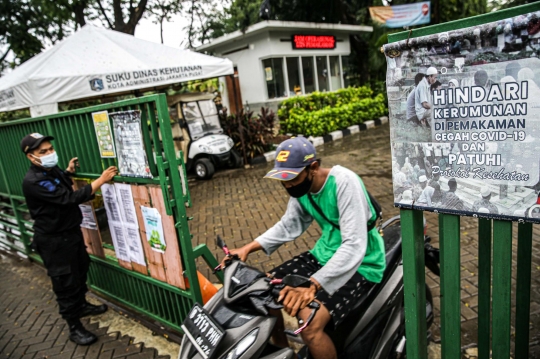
<point>78,10</point>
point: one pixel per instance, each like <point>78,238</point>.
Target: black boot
<point>78,334</point>
<point>90,309</point>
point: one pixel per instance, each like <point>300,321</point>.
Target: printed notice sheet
<point>154,229</point>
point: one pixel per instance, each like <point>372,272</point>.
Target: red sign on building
<point>307,42</point>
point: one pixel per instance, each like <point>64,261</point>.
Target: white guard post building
<point>274,60</point>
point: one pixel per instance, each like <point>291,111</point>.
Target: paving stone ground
<point>240,205</point>
<point>30,327</point>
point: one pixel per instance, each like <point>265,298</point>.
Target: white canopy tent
<point>94,62</point>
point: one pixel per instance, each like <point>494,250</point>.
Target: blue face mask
<point>48,161</point>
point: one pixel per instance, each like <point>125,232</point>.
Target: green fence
<point>75,136</point>
<point>494,263</point>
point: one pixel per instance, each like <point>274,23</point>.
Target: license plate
<point>203,331</point>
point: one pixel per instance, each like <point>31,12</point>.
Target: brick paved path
<point>240,205</point>
<point>31,328</point>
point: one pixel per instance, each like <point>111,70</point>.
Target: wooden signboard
<point>166,267</point>
<point>92,237</point>
<point>141,197</point>
<point>171,258</point>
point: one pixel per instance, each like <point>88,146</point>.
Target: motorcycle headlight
<point>205,149</point>
<point>243,345</point>
<point>230,142</point>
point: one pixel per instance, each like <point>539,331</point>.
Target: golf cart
<point>198,133</point>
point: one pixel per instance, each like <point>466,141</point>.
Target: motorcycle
<point>236,323</point>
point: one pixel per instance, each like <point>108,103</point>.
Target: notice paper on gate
<point>115,222</point>
<point>154,229</point>
<point>129,222</point>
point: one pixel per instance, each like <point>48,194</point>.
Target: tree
<point>162,10</point>
<point>120,15</point>
<point>25,25</point>
<point>28,26</point>
<point>207,20</point>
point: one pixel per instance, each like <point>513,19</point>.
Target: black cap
<point>33,140</point>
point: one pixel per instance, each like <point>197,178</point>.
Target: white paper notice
<point>115,222</point>
<point>119,241</point>
<point>111,204</point>
<point>127,206</point>
<point>135,246</point>
<point>154,229</point>
<point>89,220</point>
<point>129,220</point>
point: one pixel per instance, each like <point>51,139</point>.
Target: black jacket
<point>53,204</point>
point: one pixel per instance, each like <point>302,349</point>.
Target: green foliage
<point>209,85</point>
<point>319,113</point>
<point>14,115</point>
<point>257,131</point>
<point>28,26</point>
<point>25,25</point>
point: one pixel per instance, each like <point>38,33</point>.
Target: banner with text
<point>402,15</point>
<point>465,120</point>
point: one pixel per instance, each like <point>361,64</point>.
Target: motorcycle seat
<point>392,246</point>
<point>392,243</point>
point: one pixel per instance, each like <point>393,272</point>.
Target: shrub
<point>257,131</point>
<point>348,109</point>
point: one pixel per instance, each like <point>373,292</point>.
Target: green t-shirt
<point>342,252</point>
<point>374,262</point>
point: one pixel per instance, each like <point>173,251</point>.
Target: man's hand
<point>243,252</point>
<point>296,299</point>
<point>74,162</point>
<point>105,177</point>
<point>108,174</point>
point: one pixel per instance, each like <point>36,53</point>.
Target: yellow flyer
<point>104,134</point>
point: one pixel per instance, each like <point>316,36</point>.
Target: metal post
<point>286,76</point>
<point>301,70</point>
<point>315,73</point>
<point>502,285</point>
<point>523,290</point>
<point>414,283</point>
<point>484,288</point>
<point>450,286</point>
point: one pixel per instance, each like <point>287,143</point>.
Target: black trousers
<point>67,262</point>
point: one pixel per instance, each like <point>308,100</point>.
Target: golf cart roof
<point>188,97</point>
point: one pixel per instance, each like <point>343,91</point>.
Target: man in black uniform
<point>54,206</point>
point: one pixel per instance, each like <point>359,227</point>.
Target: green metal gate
<point>494,263</point>
<point>75,136</point>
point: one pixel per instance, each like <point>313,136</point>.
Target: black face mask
<point>300,189</point>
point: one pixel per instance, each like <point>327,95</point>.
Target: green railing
<point>494,275</point>
<point>75,137</point>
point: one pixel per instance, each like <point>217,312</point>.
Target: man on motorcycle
<point>345,257</point>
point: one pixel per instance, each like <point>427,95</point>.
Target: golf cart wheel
<point>236,161</point>
<point>204,169</point>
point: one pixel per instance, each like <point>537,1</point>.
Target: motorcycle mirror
<point>220,242</point>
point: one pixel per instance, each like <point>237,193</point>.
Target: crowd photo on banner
<point>465,120</point>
